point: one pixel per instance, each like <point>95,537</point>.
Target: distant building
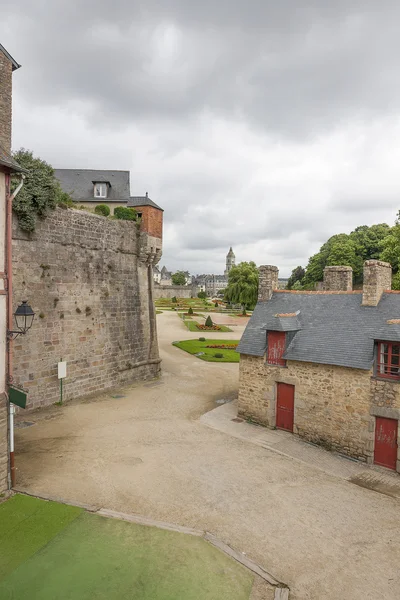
<point>230,262</point>
<point>213,284</point>
<point>90,187</point>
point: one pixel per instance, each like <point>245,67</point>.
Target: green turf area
<point>192,326</point>
<point>195,346</point>
<point>26,525</point>
<point>63,553</point>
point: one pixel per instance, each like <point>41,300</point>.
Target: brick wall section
<point>338,279</point>
<point>152,220</point>
<point>268,282</point>
<point>5,101</point>
<point>377,279</point>
<point>89,281</point>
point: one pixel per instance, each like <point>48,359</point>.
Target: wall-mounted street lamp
<point>24,316</point>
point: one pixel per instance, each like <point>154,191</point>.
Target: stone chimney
<point>338,279</point>
<point>377,279</point>
<point>268,282</point>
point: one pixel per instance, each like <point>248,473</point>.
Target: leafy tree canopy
<point>40,193</point>
<point>296,278</point>
<point>243,285</point>
<point>364,243</point>
<point>179,278</point>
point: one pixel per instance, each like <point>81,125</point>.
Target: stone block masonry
<point>333,406</point>
<point>89,280</point>
<point>5,101</point>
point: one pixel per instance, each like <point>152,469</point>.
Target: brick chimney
<point>268,282</point>
<point>338,279</point>
<point>377,279</point>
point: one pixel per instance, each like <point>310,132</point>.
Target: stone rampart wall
<point>89,280</point>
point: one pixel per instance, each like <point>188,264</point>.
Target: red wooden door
<point>386,442</point>
<point>285,407</point>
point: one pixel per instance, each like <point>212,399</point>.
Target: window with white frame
<point>100,190</point>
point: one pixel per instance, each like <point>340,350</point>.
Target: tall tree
<point>391,251</point>
<point>350,250</point>
<point>40,193</point>
<point>243,285</point>
<point>296,277</point>
<point>179,278</point>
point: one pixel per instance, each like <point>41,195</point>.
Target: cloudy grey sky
<point>264,125</point>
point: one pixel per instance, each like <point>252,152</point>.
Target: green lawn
<point>192,326</point>
<point>50,551</point>
<point>195,346</point>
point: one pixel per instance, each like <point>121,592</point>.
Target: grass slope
<point>195,346</point>
<point>95,558</point>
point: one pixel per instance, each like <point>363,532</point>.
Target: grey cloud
<point>252,123</point>
<point>288,67</point>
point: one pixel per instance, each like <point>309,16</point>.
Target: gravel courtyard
<point>147,452</point>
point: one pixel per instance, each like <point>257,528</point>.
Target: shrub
<point>202,295</point>
<point>125,213</point>
<point>174,300</point>
<point>218,355</point>
<point>202,339</point>
<point>190,311</point>
<point>209,322</point>
<point>102,209</point>
<point>216,305</point>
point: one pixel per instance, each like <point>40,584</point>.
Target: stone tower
<point>230,261</point>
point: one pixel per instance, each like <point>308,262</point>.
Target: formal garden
<point>211,350</point>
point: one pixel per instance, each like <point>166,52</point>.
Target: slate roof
<point>79,184</point>
<point>6,160</point>
<point>135,201</point>
<point>334,329</point>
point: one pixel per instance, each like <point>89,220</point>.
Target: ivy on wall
<point>40,193</point>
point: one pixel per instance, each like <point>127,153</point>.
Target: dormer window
<point>389,360</point>
<point>100,190</point>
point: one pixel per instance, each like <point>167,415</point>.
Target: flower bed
<point>205,328</point>
<point>224,346</point>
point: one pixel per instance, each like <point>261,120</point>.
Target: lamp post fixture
<point>24,316</point>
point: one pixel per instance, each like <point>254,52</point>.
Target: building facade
<point>326,365</point>
<point>8,167</point>
<point>212,284</point>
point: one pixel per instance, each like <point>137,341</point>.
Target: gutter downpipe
<point>9,201</point>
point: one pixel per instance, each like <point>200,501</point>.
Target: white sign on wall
<point>62,369</point>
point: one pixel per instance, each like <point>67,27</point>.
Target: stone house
<point>90,187</point>
<point>325,365</point>
<point>8,166</point>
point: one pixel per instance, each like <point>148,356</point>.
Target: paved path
<point>149,453</point>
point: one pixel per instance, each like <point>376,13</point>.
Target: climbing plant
<point>40,193</point>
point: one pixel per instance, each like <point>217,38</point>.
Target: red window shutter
<point>276,348</point>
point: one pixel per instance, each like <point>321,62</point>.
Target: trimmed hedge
<point>102,209</point>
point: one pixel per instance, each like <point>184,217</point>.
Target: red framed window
<point>276,342</point>
<point>389,360</point>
